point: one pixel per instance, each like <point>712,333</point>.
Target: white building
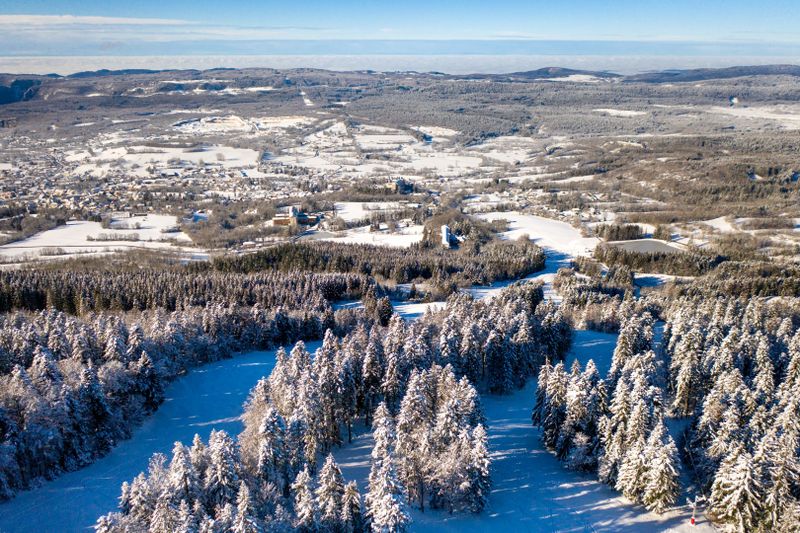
<point>445,236</point>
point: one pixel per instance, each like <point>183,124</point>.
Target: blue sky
<point>113,27</point>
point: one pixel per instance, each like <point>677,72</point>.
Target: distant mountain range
<point>15,88</point>
<point>714,73</point>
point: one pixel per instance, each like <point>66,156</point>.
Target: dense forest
<point>678,263</point>
<point>726,369</point>
<point>71,387</point>
<point>416,384</point>
<point>471,264</point>
<point>153,288</point>
<point>734,371</point>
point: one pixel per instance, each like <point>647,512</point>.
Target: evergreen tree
<point>661,457</point>
<point>736,494</point>
<point>352,519</point>
<point>304,504</point>
<point>330,494</point>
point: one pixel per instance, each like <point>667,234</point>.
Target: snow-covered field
<point>508,149</point>
<point>576,78</point>
<point>236,124</point>
<point>350,211</point>
<point>786,116</point>
<point>196,403</point>
<point>620,112</point>
<point>648,246</point>
<point>402,238</point>
<point>136,159</point>
<point>546,232</point>
<point>437,133</point>
<point>74,238</point>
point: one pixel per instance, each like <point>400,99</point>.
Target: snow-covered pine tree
<point>737,494</point>
<point>330,495</point>
<point>222,478</point>
<point>305,508</point>
<point>245,520</point>
<point>661,460</point>
<point>387,505</point>
<point>480,481</point>
<point>183,482</point>
<point>351,516</point>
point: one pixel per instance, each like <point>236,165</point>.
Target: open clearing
<point>74,238</point>
<point>546,232</point>
<point>648,246</point>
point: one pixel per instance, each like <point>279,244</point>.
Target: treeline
<point>619,232</point>
<point>71,388</point>
<point>624,437</point>
<point>734,369</point>
<point>599,302</point>
<point>80,293</point>
<point>749,279</point>
<point>480,264</point>
<point>409,381</point>
<point>679,263</point>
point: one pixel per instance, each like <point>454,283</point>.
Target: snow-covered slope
<point>546,232</point>
<point>532,491</point>
<point>209,397</point>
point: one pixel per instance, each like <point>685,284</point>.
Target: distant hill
<point>106,72</point>
<point>701,74</point>
<point>18,91</point>
<point>540,74</point>
<point>559,72</point>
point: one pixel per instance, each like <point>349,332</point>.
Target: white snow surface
<point>576,78</point>
<point>787,115</point>
<point>546,232</point>
<point>620,112</point>
<point>403,238</point>
<point>350,211</point>
<point>721,224</point>
<point>197,403</point>
<point>73,237</point>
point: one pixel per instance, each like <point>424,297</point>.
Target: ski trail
<point>532,491</point>
<point>207,398</point>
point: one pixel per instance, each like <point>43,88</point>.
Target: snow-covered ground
<point>236,124</point>
<point>620,112</point>
<point>437,133</point>
<point>784,115</point>
<point>350,211</point>
<point>402,238</point>
<point>136,159</point>
<point>532,491</point>
<point>74,237</point>
<point>647,246</point>
<point>576,78</point>
<point>546,232</point>
<point>196,403</point>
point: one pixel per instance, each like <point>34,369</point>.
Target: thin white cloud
<point>76,20</point>
<point>49,29</point>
